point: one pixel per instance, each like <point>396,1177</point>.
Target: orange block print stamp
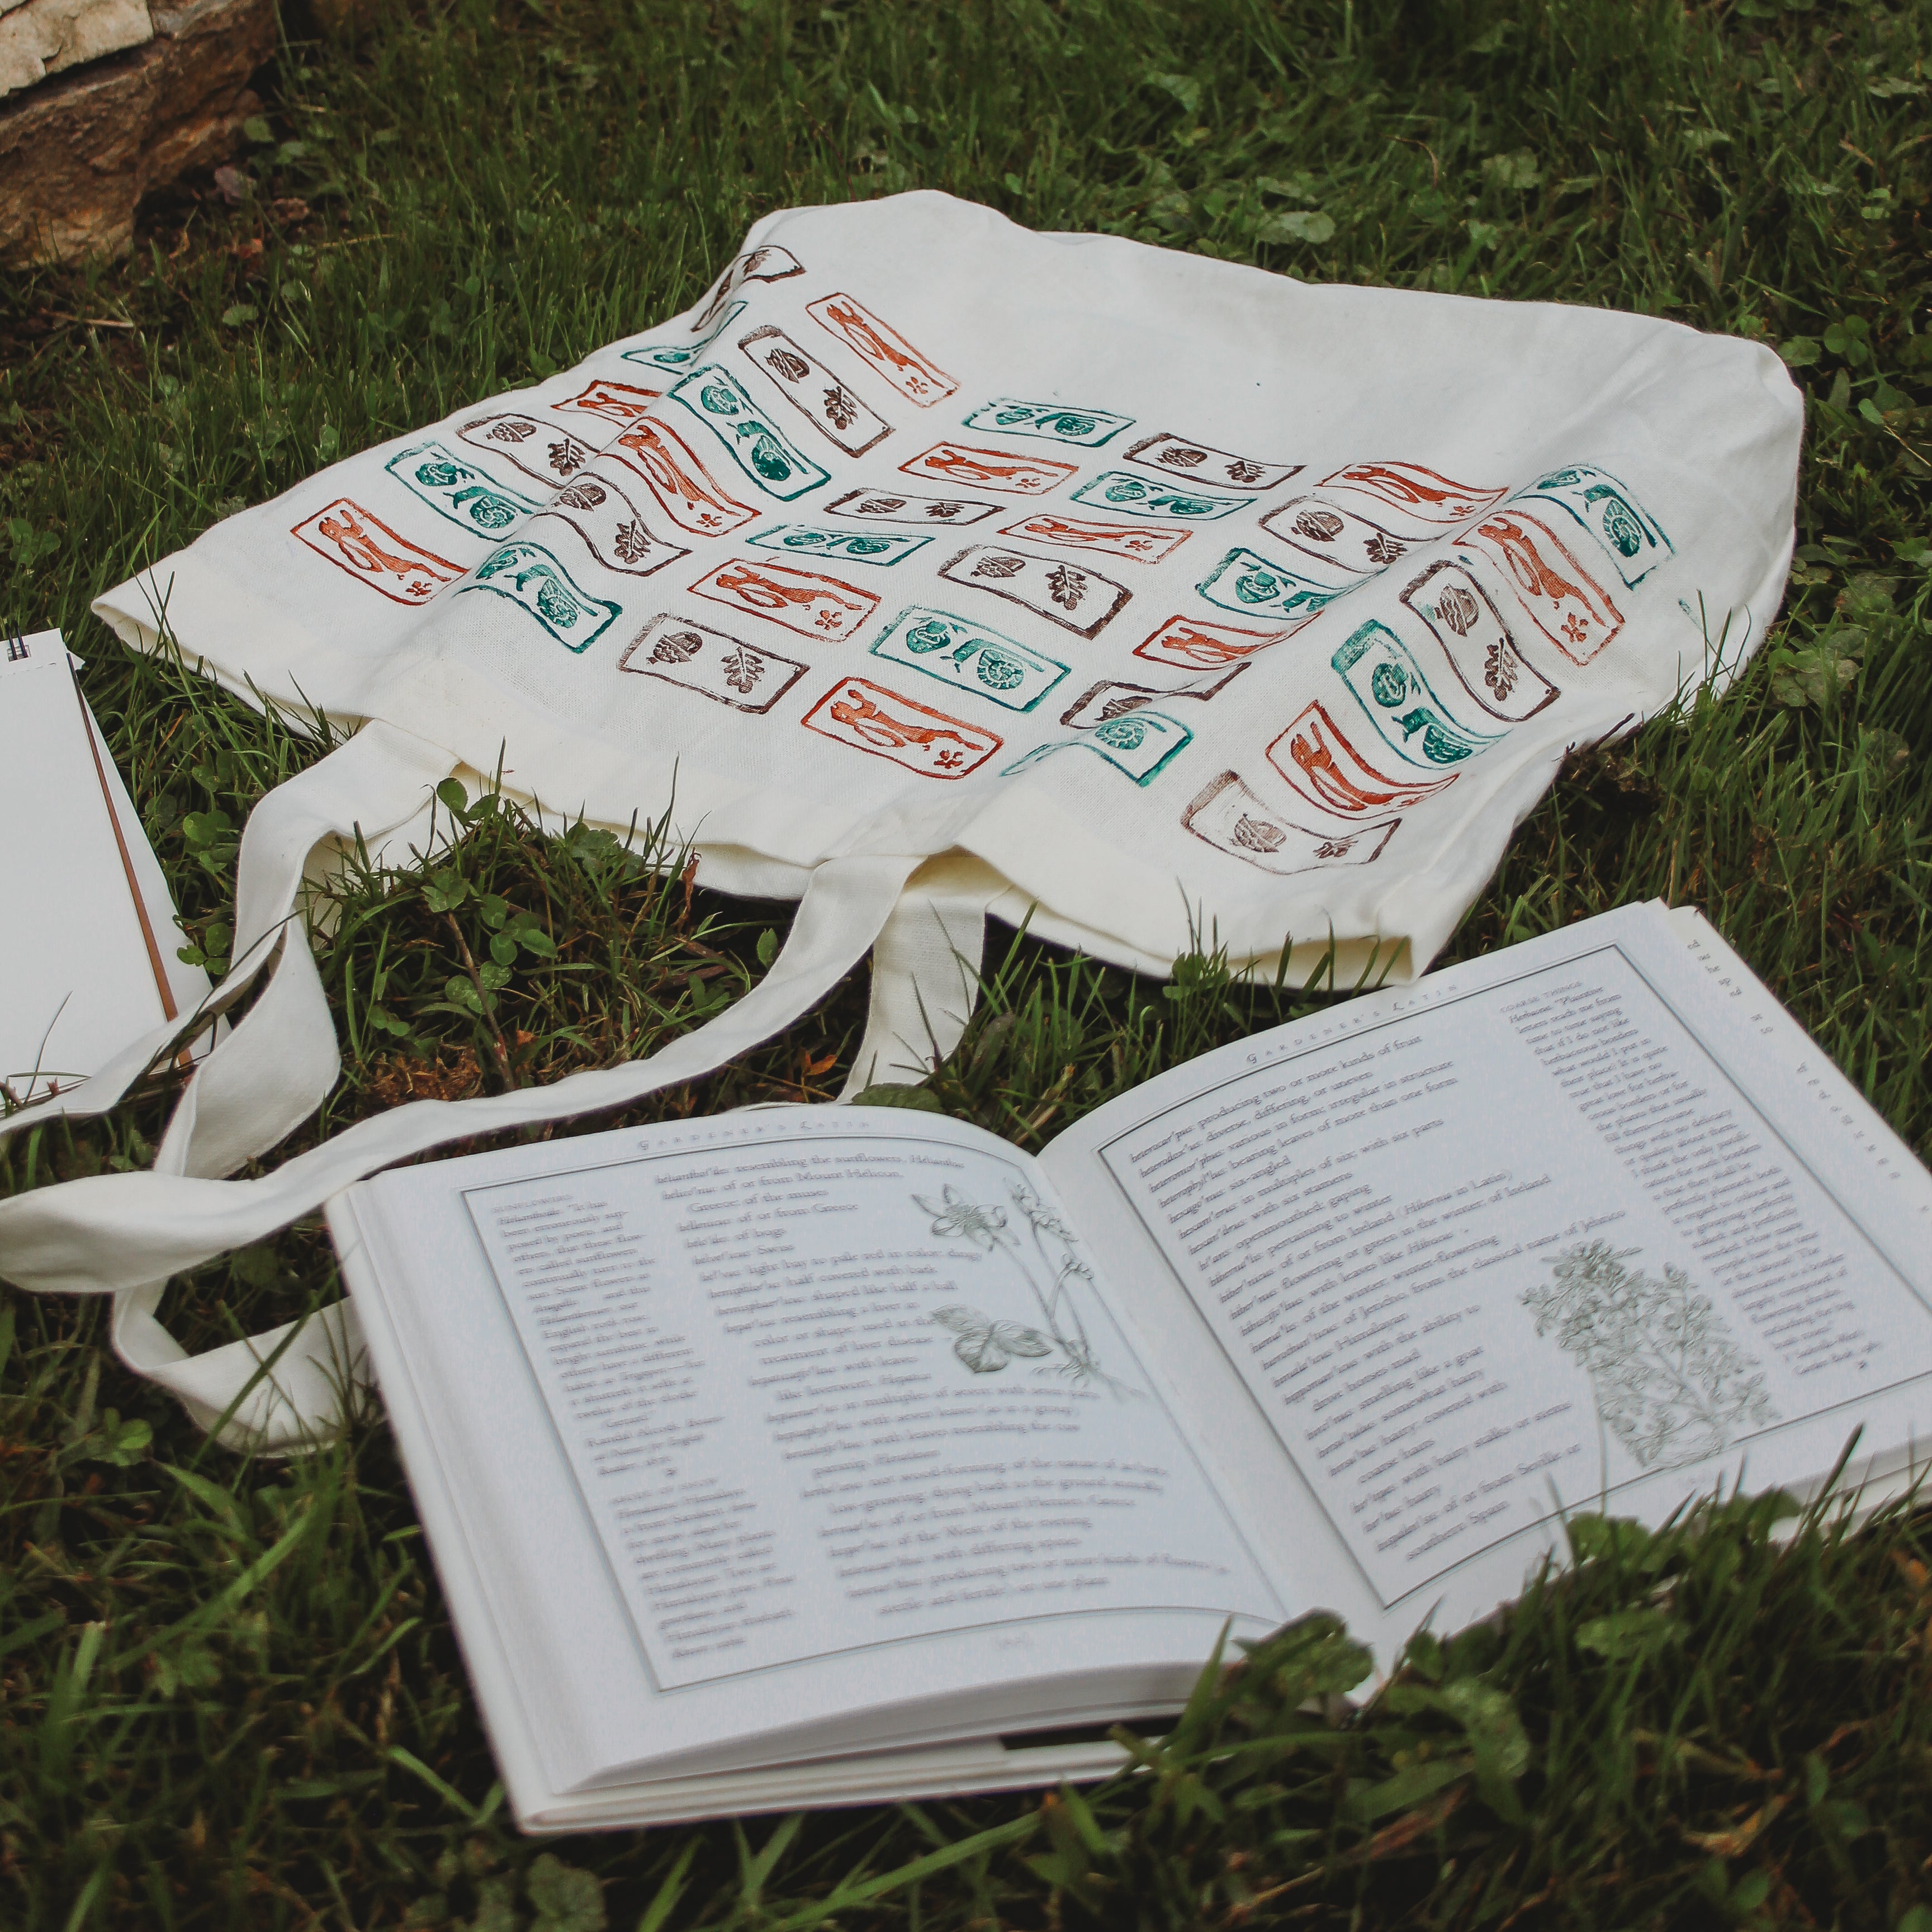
<point>1132,541</point>
<point>680,483</point>
<point>1195,644</point>
<point>621,402</point>
<point>869,718</point>
<point>365,546</point>
<point>801,600</point>
<point>1411,501</point>
<point>1563,601</point>
<point>885,349</point>
<point>1321,766</point>
<point>990,469</point>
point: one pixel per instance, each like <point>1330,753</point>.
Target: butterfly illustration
<point>986,1345</point>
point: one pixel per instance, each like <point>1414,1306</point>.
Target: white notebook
<point>89,959</point>
<point>806,1455</point>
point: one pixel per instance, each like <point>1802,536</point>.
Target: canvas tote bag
<point>930,569</point>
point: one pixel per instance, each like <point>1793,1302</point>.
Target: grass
<point>231,1694</point>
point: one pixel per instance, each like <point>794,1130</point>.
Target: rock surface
<point>80,149</point>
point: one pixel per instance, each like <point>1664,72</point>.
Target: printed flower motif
<point>954,1214</point>
<point>1036,1211</point>
<point>1574,628</point>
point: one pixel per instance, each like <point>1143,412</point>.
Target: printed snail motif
<point>1398,701</point>
<point>457,489</point>
<point>1136,497</point>
<point>1247,581</point>
<point>1142,742</point>
<point>970,657</point>
<point>721,402</point>
<point>679,356</point>
<point>1632,541</point>
<point>530,577</point>
<point>1053,421</point>
<point>879,548</point>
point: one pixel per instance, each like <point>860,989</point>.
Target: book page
<point>1545,1232</point>
<point>827,1380</point>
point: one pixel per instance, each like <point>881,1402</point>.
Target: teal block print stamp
<point>719,401</point>
<point>1140,496</point>
<point>684,356</point>
<point>970,657</point>
<point>1054,421</point>
<point>527,575</point>
<point>459,491</point>
<point>1141,743</point>
<point>875,547</point>
<point>1388,684</point>
<point>1243,581</point>
<point>1593,498</point>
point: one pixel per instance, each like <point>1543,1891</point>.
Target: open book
<point>816,1455</point>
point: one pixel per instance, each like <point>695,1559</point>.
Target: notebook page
<point>1552,1230</point>
<point>79,978</point>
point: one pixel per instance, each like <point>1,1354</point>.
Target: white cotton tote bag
<point>932,567</point>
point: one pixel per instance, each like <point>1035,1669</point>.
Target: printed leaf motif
<point>568,456</point>
<point>1068,587</point>
<point>840,409</point>
<point>633,542</point>
<point>985,1345</point>
<point>743,670</point>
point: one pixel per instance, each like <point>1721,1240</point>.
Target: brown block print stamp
<point>916,378</point>
<point>768,264</point>
<point>869,718</point>
<point>621,402</point>
<point>1177,456</point>
<point>1134,542</point>
<point>1563,602</point>
<point>363,545</point>
<point>818,395</point>
<point>802,601</point>
<point>1458,613</point>
<point>550,454</point>
<point>682,485</point>
<point>1407,499</point>
<point>1077,599</point>
<point>1228,816</point>
<point>892,506</point>
<point>1114,697</point>
<point>990,469</point>
<point>1321,766</point>
<point>746,677</point>
<point>1193,643</point>
<point>1350,545</point>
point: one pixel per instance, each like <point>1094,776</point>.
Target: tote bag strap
<point>125,1234</point>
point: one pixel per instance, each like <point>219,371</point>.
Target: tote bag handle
<point>125,1234</point>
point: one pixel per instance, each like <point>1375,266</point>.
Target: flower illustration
<point>956,1215</point>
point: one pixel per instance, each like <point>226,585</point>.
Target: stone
<point>79,150</point>
<point>38,38</point>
